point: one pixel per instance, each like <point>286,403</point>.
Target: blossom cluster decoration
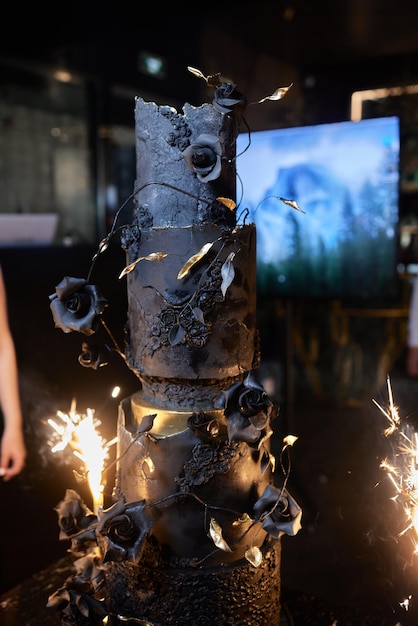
<point>116,534</point>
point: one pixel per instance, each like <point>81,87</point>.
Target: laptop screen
<point>23,229</point>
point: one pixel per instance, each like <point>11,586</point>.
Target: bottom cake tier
<point>154,594</point>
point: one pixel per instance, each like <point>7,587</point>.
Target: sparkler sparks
<point>402,470</point>
<point>79,432</point>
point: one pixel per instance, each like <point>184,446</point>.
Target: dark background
<point>349,551</point>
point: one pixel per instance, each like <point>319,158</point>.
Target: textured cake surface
<point>192,479</point>
<point>187,329</point>
<point>167,190</point>
<point>240,596</point>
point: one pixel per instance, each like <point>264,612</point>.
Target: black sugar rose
<point>77,605</point>
<point>228,100</point>
<point>76,306</point>
<point>89,570</point>
<point>204,426</point>
<point>76,522</point>
<point>122,530</point>
<point>94,356</point>
<point>278,512</point>
<point>73,515</point>
<point>204,157</point>
<point>248,410</point>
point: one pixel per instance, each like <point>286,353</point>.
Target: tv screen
<point>344,178</point>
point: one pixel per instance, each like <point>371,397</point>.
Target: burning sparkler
<point>79,432</point>
<point>402,469</point>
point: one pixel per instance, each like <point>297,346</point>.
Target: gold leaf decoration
<point>227,273</point>
<point>277,95</point>
<point>230,204</point>
<point>137,620</point>
<point>148,466</point>
<point>196,72</point>
<point>254,556</point>
<point>267,461</point>
<point>289,440</point>
<point>154,256</point>
<point>213,80</point>
<point>215,532</point>
<point>103,245</point>
<point>244,519</point>
<point>292,203</point>
<point>194,259</point>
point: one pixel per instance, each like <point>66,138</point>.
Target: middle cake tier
<point>191,308</point>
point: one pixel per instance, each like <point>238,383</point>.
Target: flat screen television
<point>344,177</point>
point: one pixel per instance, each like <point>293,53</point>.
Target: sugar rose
<point>228,100</point>
<point>204,157</point>
<point>279,512</point>
<point>94,356</point>
<point>77,305</point>
<point>248,410</point>
<point>73,515</point>
<point>122,531</point>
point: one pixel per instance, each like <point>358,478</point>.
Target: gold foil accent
<point>168,422</point>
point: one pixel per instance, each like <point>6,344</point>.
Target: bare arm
<point>12,445</point>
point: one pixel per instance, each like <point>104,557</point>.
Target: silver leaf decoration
<point>254,556</point>
<point>227,273</point>
<point>215,532</point>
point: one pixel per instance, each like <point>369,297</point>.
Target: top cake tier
<point>185,163</point>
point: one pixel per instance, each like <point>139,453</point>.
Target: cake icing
<point>193,534</point>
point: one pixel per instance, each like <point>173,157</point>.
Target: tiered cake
<point>193,536</point>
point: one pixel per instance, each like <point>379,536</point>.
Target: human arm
<point>412,347</point>
<point>12,444</point>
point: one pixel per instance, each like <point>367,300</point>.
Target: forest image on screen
<point>344,176</point>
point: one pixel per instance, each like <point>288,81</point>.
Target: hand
<point>12,453</point>
<point>412,361</point>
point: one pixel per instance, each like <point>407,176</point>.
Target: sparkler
<point>402,470</point>
<point>79,432</point>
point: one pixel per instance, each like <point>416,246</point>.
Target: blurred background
<point>69,77</point>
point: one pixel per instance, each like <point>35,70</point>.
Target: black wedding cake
<point>193,534</point>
